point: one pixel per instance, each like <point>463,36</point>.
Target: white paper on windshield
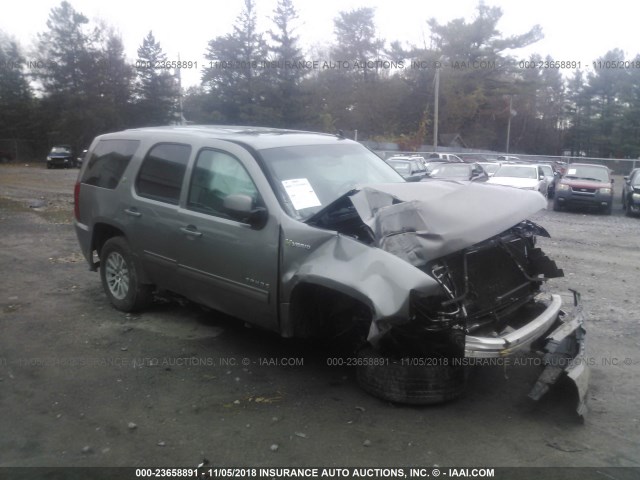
<point>301,193</point>
<point>572,171</point>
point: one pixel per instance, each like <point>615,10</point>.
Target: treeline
<point>84,85</point>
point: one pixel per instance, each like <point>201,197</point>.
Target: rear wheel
<point>405,382</point>
<point>120,277</point>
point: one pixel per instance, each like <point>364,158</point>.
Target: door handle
<point>191,231</point>
<point>133,212</point>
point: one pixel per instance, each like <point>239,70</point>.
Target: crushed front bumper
<point>564,347</point>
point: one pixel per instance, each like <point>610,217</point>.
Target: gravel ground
<point>82,384</point>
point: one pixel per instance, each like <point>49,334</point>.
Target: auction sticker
<point>301,193</point>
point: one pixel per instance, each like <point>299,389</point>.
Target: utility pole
<point>509,123</point>
<point>178,75</point>
<point>435,110</point>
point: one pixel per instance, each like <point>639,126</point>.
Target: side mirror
<point>626,178</point>
<point>240,207</point>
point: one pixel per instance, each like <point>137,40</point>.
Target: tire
<point>120,277</point>
<point>607,210</point>
<point>625,207</point>
<point>388,379</point>
<point>556,205</point>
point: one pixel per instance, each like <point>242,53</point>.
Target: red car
<point>585,185</point>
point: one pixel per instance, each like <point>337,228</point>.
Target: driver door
<point>225,263</point>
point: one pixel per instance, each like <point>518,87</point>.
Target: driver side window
<point>216,175</point>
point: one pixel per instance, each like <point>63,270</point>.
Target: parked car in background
<point>585,185</point>
<point>434,163</point>
<point>631,192</point>
<point>508,158</point>
<point>521,175</point>
<point>490,167</point>
<point>550,176</point>
<point>410,168</point>
<point>61,156</point>
<point>449,157</point>
<point>458,171</point>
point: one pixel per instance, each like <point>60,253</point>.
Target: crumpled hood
<point>419,222</point>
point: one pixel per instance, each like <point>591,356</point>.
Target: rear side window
<point>108,161</point>
<point>162,171</point>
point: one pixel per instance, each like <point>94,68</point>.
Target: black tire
<point>120,277</point>
<point>556,206</point>
<point>607,210</point>
<point>625,206</point>
<point>389,379</point>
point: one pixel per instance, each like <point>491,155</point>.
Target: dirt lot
<point>84,385</point>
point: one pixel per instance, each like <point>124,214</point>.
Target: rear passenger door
<point>223,262</point>
<point>152,211</point>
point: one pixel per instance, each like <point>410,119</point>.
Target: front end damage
<point>488,301</point>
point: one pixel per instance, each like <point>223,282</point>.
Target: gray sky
<point>574,30</point>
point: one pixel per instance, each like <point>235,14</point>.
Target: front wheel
<point>401,381</point>
<point>120,277</point>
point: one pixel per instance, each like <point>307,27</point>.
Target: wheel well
<point>101,233</point>
<point>321,312</point>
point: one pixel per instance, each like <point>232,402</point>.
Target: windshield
<point>431,165</point>
<point>547,170</point>
<point>400,167</point>
<point>310,177</point>
<point>446,170</point>
<point>517,171</point>
<point>490,167</point>
<point>587,172</point>
<point>60,150</point>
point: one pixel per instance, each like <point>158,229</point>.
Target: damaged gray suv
<point>313,235</point>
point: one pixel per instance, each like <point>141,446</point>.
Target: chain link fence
<point>16,150</point>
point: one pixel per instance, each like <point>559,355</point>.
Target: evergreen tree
<point>285,95</point>
<point>235,76</point>
<point>156,90</point>
<point>66,51</point>
<point>16,97</point>
<point>357,42</point>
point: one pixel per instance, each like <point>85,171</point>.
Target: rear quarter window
<point>108,161</point>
